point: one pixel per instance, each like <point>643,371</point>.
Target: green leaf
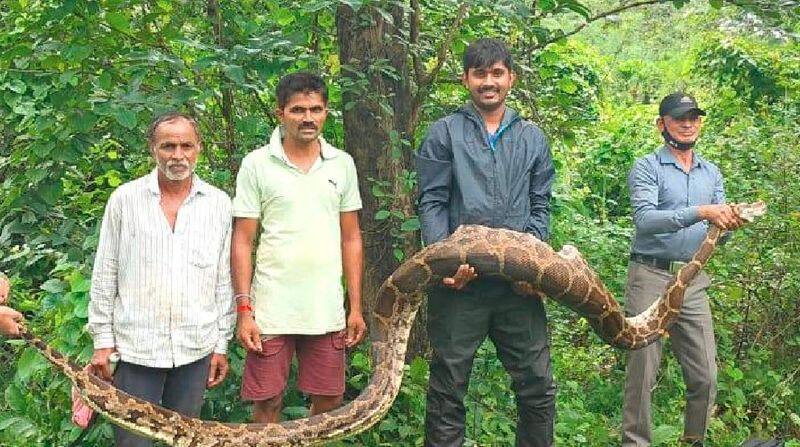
<point>21,427</point>
<point>166,5</point>
<point>17,86</point>
<point>26,108</point>
<point>53,285</point>
<point>547,5</point>
<point>382,214</point>
<point>50,192</point>
<point>77,53</point>
<point>235,73</point>
<point>81,302</point>
<point>549,57</point>
<point>118,20</point>
<point>80,284</point>
<point>42,148</point>
<point>295,412</point>
<point>735,373</point>
<point>113,179</point>
<point>578,7</point>
<point>283,16</point>
<point>567,86</point>
<point>126,118</point>
<point>29,362</point>
<point>377,191</point>
<point>663,434</point>
<point>716,4</point>
<point>105,81</point>
<point>410,225</point>
<point>419,368</point>
<point>82,121</point>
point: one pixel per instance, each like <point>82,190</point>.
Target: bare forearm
<point>241,266</point>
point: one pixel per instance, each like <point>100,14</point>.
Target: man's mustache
<point>308,126</point>
<point>182,164</point>
<point>488,89</point>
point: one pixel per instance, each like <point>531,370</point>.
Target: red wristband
<point>243,308</point>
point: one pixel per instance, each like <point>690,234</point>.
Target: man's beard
<point>670,140</point>
<point>166,169</point>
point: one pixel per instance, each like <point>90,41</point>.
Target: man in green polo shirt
<point>304,194</point>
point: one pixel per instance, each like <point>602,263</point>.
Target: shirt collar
<point>276,147</point>
<point>198,185</point>
<point>665,156</point>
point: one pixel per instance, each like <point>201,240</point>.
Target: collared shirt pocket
<point>202,257</point>
<point>202,275</point>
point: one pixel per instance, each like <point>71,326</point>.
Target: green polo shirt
<point>297,279</point>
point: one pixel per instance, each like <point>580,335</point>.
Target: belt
<point>659,263</point>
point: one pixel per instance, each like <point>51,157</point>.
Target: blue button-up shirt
<point>665,201</point>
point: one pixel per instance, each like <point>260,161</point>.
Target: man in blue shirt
<point>675,193</point>
<point>485,165</point>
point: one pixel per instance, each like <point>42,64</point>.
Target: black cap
<point>678,104</point>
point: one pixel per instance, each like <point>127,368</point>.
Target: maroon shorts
<point>320,359</point>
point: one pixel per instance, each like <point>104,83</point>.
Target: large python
<point>529,264</point>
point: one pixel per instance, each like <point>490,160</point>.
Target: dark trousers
<point>180,389</point>
<point>458,322</point>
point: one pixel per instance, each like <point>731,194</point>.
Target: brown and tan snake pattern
<point>529,264</point>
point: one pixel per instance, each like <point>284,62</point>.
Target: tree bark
<point>215,15</point>
<point>380,138</point>
<point>368,38</point>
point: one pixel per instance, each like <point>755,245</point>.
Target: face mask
<point>672,142</point>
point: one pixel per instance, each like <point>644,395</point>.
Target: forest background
<point>81,79</point>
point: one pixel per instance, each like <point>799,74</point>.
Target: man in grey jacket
<point>486,165</point>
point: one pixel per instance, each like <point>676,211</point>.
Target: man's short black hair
<point>300,82</point>
<point>483,53</point>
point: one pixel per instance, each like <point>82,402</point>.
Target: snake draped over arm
<point>526,262</point>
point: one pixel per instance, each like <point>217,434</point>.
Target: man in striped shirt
<point>161,291</point>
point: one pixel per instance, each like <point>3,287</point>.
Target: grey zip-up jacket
<point>466,176</point>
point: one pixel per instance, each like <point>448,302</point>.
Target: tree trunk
<point>218,25</point>
<point>367,39</point>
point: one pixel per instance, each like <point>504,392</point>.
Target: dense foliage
<point>80,79</point>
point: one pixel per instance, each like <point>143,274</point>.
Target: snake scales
<point>529,264</point>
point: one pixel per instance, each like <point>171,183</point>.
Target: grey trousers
<point>692,341</point>
<point>458,322</point>
<point>180,389</point>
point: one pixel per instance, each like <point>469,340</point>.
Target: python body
<point>526,262</point>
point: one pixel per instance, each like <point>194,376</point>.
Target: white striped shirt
<point>161,298</point>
